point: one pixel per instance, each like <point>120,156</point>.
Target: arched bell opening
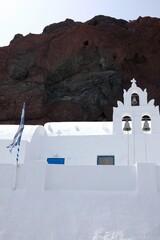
<point>134,99</point>
<point>127,124</point>
<point>146,124</point>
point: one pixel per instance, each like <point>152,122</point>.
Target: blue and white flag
<point>17,138</point>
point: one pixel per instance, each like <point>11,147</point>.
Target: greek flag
<point>17,138</point>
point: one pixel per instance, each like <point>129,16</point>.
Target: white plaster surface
<point>112,203</point>
<point>80,200</point>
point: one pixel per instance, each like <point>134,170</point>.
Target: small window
<point>105,160</point>
<point>55,160</point>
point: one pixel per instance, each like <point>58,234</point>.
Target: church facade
<point>132,137</point>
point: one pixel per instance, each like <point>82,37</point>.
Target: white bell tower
<point>136,114</point>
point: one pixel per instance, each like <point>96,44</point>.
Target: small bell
<point>134,101</point>
<point>146,126</point>
<point>126,126</point>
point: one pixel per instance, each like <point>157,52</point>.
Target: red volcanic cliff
<point>76,71</point>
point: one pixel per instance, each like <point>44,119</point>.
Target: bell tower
<point>136,114</point>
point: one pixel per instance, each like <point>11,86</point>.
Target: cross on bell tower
<point>133,82</point>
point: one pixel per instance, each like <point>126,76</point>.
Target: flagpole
<point>16,142</point>
<point>18,149</point>
<point>16,167</point>
<point>16,164</point>
<point>15,176</point>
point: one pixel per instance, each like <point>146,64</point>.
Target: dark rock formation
<point>77,71</point>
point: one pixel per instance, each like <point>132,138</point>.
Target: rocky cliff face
<point>76,71</point>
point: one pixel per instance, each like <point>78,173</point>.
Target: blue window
<point>105,160</point>
<point>55,160</point>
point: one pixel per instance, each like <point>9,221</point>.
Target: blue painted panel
<point>55,160</point>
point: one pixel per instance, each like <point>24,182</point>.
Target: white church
<point>132,137</point>
<point>84,180</point>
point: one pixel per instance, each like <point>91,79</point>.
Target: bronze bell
<point>146,126</point>
<point>126,126</point>
<point>134,101</point>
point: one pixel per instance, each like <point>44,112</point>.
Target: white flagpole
<point>16,167</point>
<point>15,176</point>
<point>21,127</point>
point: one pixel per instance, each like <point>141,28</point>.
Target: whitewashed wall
<point>6,156</point>
<point>35,147</point>
<point>40,176</point>
<point>30,147</point>
<point>83,150</point>
<point>79,202</point>
<point>91,178</point>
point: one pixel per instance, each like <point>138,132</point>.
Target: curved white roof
<point>7,132</point>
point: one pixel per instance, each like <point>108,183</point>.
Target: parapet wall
<point>91,178</point>
<point>40,176</point>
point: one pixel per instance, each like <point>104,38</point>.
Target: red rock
<point>77,71</point>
